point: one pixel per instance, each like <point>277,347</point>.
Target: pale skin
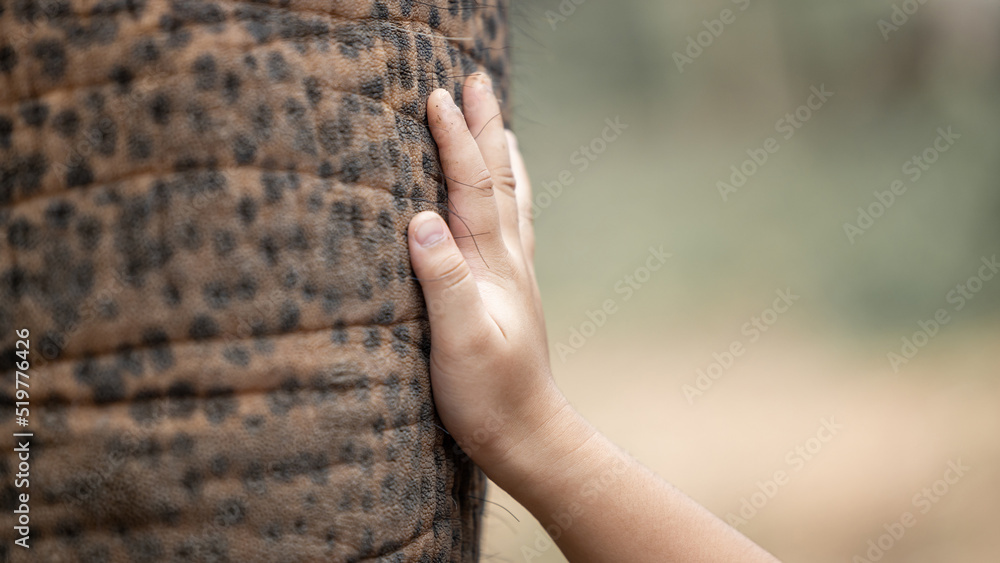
<point>490,371</point>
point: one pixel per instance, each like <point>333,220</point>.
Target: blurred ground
<point>657,183</point>
<point>899,433</point>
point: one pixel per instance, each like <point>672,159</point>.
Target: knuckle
<point>482,180</point>
<point>453,271</point>
<point>503,176</point>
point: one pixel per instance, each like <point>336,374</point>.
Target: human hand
<point>490,369</point>
<point>489,361</point>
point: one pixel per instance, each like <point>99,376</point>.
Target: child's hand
<point>490,366</point>
<point>489,358</point>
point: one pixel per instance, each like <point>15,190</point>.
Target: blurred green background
<point>656,184</point>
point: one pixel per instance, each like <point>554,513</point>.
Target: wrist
<point>545,435</point>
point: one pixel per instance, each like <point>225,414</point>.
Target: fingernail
<point>451,100</point>
<point>430,232</point>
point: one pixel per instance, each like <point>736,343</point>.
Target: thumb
<point>453,301</point>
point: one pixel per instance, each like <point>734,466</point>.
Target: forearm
<point>600,504</point>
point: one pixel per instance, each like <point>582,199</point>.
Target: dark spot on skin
<point>203,327</point>
<point>105,381</point>
<point>205,74</point>
<point>52,56</point>
<point>216,295</point>
<point>6,129</point>
<point>22,234</point>
<point>171,294</point>
<point>89,230</point>
<point>130,360</point>
<point>272,187</point>
<point>199,118</point>
<point>219,465</point>
<point>434,19</point>
<point>269,247</point>
<point>277,67</point>
<point>220,403</point>
<point>181,400</point>
<point>385,314</point>
<point>122,77</point>
<point>25,172</point>
<point>14,283</point>
<point>78,173</point>
<point>104,135</point>
<point>140,147</point>
<point>168,514</point>
<point>230,512</point>
<point>374,88</point>
<point>145,406</point>
<point>244,149</point>
<point>224,243</point>
<point>68,529</point>
<point>285,397</point>
<point>159,109</point>
<point>425,50</point>
<point>352,39</point>
<point>336,134</point>
<point>272,532</point>
<point>253,477</point>
<point>288,317</point>
<point>95,101</point>
<point>253,423</point>
<point>365,290</point>
<point>231,87</point>
<point>66,123</point>
<point>182,445</point>
<point>145,51</point>
<point>367,501</point>
<point>237,355</point>
<point>245,289</point>
<point>144,549</point>
<point>192,481</point>
<point>313,92</point>
<point>373,338</point>
<point>59,213</point>
<point>34,113</point>
<point>8,59</point>
<point>262,119</point>
<point>158,346</point>
<point>247,208</point>
<point>350,170</point>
